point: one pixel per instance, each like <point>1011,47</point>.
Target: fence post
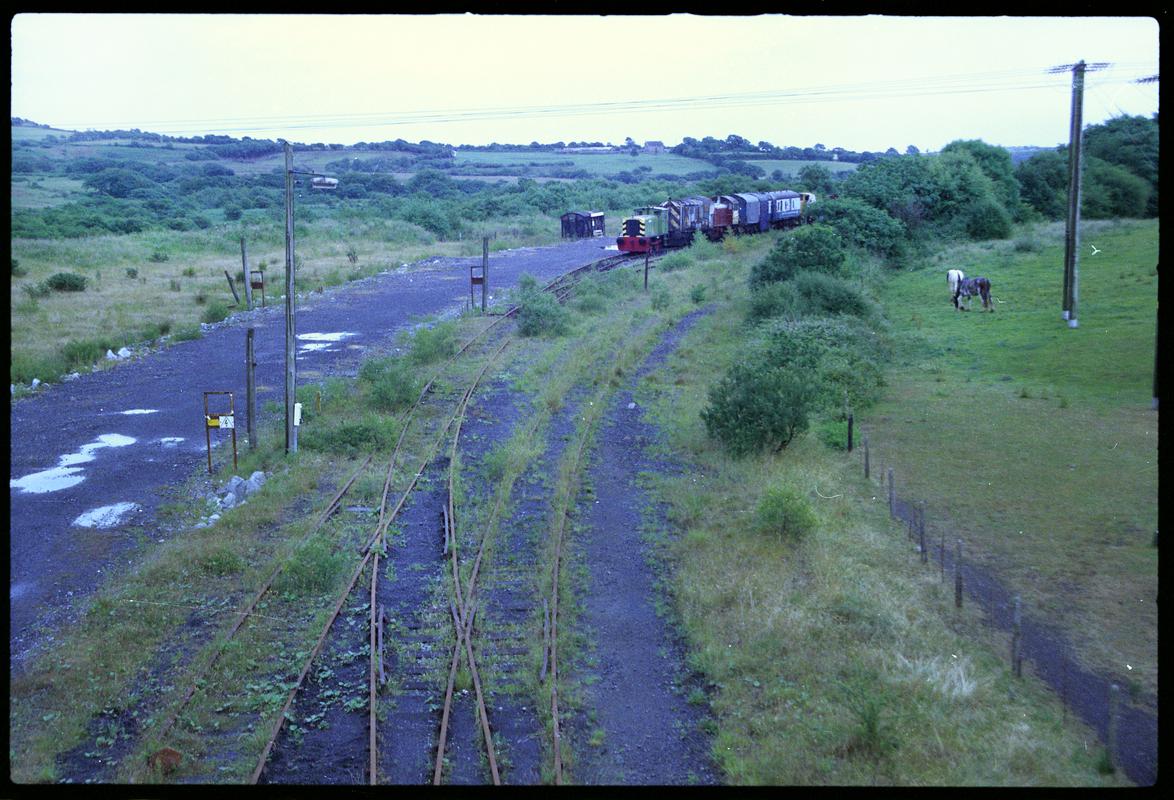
<point>1114,713</point>
<point>921,529</point>
<point>892,496</point>
<point>1017,639</point>
<point>849,433</point>
<point>250,386</point>
<point>866,458</point>
<point>248,278</point>
<point>958,575</point>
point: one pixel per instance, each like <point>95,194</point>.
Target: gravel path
<point>644,730</point>
<point>80,448</point>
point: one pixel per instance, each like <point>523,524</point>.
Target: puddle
<point>65,474</point>
<point>140,411</point>
<point>106,516</point>
<point>50,480</point>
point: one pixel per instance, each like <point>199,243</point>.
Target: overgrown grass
<point>1035,442</point>
<point>835,658</point>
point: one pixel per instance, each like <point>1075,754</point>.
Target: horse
<point>953,278</point>
<point>968,288</point>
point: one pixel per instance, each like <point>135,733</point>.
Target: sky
<point>858,82</point>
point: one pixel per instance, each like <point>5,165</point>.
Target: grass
<point>1035,442</point>
<point>599,165</point>
<point>836,659</point>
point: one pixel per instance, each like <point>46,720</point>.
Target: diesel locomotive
<point>674,223</point>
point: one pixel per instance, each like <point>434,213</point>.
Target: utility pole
<point>1072,232</point>
<point>291,377</point>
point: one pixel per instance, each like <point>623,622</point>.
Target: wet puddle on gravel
<point>321,342</point>
<point>106,516</point>
<point>66,474</point>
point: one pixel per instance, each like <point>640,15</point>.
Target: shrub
<point>312,570</point>
<point>813,247</point>
<point>839,355</point>
<point>660,298</point>
<point>824,294</point>
<point>775,300</point>
<point>986,219</point>
<point>539,313</point>
<point>433,343</point>
<point>158,257</point>
<point>674,262</point>
<point>186,333</point>
<point>861,224</point>
<point>833,433</point>
<point>17,270</point>
<point>389,383</point>
<point>132,273</point>
<point>35,290</point>
<point>66,282</point>
<point>697,293</point>
<point>189,272</point>
<point>215,312</point>
<point>370,433</point>
<point>756,406</point>
<point>785,513</point>
<point>84,352</point>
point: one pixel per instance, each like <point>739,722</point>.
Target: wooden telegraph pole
<point>291,378</point>
<point>1072,233</point>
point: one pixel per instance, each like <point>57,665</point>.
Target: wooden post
<point>1072,232</point>
<point>484,271</point>
<point>250,385</point>
<point>958,575</point>
<point>1017,639</point>
<point>248,278</point>
<point>291,370</point>
<point>236,298</point>
<point>865,458</point>
<point>921,530</point>
<point>1114,714</point>
<point>647,254</point>
<point>849,433</point>
<point>892,496</point>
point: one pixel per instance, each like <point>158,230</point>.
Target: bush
<point>433,343</point>
<point>17,270</point>
<point>661,299</point>
<point>313,569</point>
<point>839,355</point>
<point>756,406</point>
<point>389,383</point>
<point>674,262</point>
<point>539,313</point>
<point>775,300</point>
<point>132,273</point>
<point>861,224</point>
<point>986,219</point>
<point>824,294</point>
<point>815,248</point>
<point>158,257</point>
<point>697,293</point>
<point>785,513</point>
<point>369,434</point>
<point>66,282</point>
<point>215,312</point>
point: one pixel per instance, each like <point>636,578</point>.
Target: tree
<point>812,247</point>
<point>1131,143</point>
<point>995,163</point>
<point>816,178</point>
<point>912,150</point>
<point>1043,183</point>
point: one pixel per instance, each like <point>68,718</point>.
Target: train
<point>674,223</point>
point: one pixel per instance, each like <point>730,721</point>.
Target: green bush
<point>986,219</point>
<point>861,224</point>
<point>757,406</point>
<point>313,569</point>
<point>389,383</point>
<point>840,356</point>
<point>833,433</point>
<point>186,333</point>
<point>66,282</point>
<point>369,434</point>
<point>433,343</point>
<point>697,293</point>
<point>674,262</point>
<point>84,352</point>
<point>215,312</point>
<point>661,299</point>
<point>775,300</point>
<point>132,273</point>
<point>35,290</point>
<point>815,248</point>
<point>17,270</point>
<point>188,272</point>
<point>824,294</point>
<point>785,513</point>
<point>539,313</point>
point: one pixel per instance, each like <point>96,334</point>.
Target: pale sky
<point>863,82</point>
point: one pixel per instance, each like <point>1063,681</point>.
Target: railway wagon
<point>583,224</point>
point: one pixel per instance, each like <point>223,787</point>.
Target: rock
<point>213,518</point>
<point>259,477</point>
<point>110,356</point>
<point>73,376</point>
<point>234,484</point>
<point>631,405</point>
<point>36,382</point>
<point>252,486</point>
<point>124,352</point>
<point>12,389</point>
<point>228,501</point>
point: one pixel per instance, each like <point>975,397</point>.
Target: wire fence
<point>1129,732</point>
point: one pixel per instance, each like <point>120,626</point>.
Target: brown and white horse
<point>968,288</point>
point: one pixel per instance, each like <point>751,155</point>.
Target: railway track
<point>403,629</point>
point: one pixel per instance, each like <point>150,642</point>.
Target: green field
<point>1035,442</point>
<point>793,167</point>
<point>599,165</point>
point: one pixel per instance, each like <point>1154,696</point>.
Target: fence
<point>1130,733</point>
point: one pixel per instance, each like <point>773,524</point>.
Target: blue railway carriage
<point>785,208</point>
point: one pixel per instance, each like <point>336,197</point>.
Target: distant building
<point>655,148</point>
